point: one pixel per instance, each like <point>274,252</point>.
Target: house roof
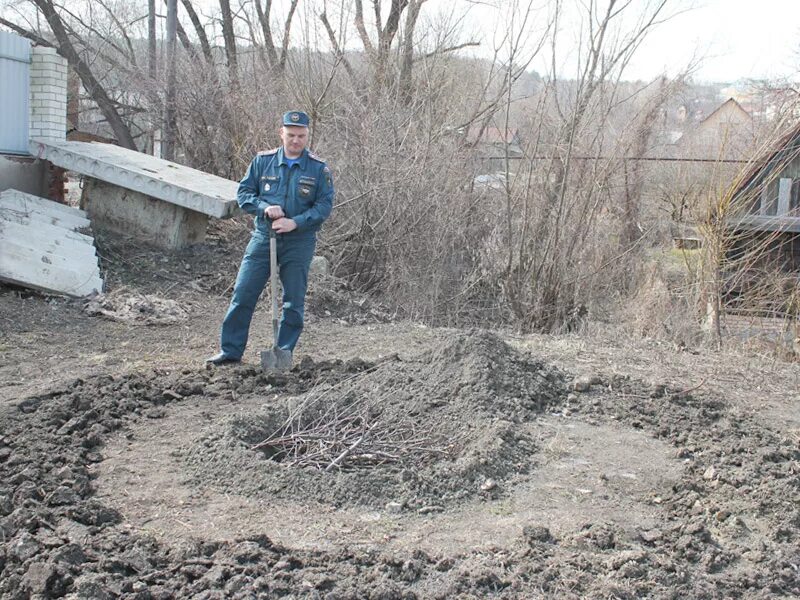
<point>729,101</point>
<point>726,132</point>
<point>495,135</point>
<point>786,144</point>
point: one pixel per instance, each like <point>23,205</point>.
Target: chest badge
<point>305,190</point>
<point>267,187</point>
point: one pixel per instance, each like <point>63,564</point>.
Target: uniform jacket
<point>305,192</point>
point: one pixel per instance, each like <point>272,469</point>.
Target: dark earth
<point>579,466</point>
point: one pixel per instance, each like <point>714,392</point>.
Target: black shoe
<point>222,359</point>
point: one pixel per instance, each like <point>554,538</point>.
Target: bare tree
<point>378,45</point>
<point>263,13</point>
<point>406,82</point>
<point>275,61</point>
<point>555,221</point>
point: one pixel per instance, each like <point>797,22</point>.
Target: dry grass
<point>755,382</point>
<point>558,446</point>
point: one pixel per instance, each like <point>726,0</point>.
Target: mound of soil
<point>442,427</point>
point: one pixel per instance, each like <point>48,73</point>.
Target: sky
<point>751,39</point>
<point>736,39</point>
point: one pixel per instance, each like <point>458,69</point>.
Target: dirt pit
<point>471,470</point>
<point>417,434</point>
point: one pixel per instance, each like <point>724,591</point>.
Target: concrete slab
<point>180,185</point>
<point>37,203</point>
<point>41,249</point>
<point>84,267</point>
<point>30,225</point>
<point>13,213</point>
<point>53,215</point>
<point>51,243</point>
<point>25,268</point>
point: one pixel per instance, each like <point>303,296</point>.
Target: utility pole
<point>168,142</point>
<point>151,62</point>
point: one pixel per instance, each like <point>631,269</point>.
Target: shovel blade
<point>276,359</point>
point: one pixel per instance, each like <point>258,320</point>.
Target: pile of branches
<point>346,429</point>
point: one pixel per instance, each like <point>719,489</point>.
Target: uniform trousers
<point>294,255</point>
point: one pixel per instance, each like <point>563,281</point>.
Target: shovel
<point>274,359</point>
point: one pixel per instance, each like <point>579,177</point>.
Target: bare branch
<point>263,18</point>
<point>199,30</point>
<point>447,50</point>
<point>337,50</point>
<point>27,34</point>
<point>122,30</point>
<point>362,31</point>
<point>286,34</point>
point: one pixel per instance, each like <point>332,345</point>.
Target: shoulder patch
<point>315,157</point>
<point>268,152</point>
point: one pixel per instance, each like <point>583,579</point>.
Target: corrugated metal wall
<point>15,59</point>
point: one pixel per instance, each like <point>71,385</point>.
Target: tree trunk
<point>286,35</point>
<point>406,81</point>
<point>230,43</point>
<point>269,43</point>
<point>198,29</point>
<point>386,36</point>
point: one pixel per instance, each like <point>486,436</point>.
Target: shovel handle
<point>273,278</point>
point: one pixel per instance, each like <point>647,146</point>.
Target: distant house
<point>728,132</point>
<point>769,199</point>
<point>493,145</point>
<point>494,142</point>
<point>500,140</point>
<point>702,130</point>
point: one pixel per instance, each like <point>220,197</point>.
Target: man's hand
<point>284,225</point>
<point>274,212</point>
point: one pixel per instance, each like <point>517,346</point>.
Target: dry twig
<point>344,426</point>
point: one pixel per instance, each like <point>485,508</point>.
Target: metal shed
<point>15,60</point>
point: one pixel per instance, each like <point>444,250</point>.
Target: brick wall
<point>48,94</point>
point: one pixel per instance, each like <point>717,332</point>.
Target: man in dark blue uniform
<point>290,190</point>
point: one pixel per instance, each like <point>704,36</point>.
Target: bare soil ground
<point>127,467</point>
